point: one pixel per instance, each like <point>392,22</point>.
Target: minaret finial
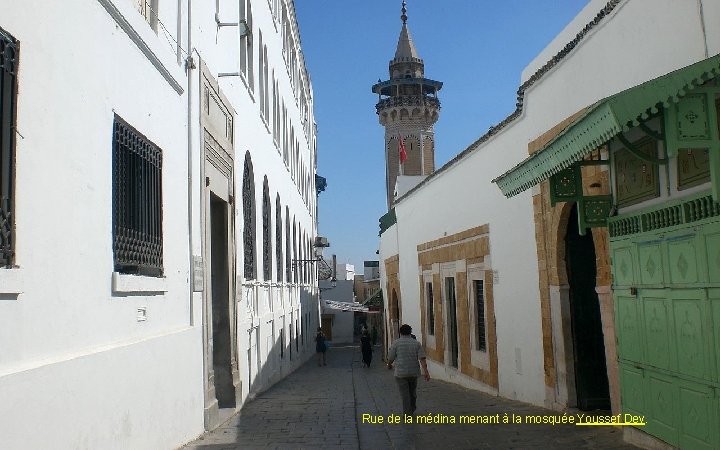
<point>404,12</point>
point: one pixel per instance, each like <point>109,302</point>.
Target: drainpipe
<point>189,65</point>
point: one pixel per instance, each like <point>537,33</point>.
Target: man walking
<point>405,352</point>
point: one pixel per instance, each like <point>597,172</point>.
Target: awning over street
<point>342,306</point>
<point>603,120</point>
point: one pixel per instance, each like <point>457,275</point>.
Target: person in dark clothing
<point>366,348</point>
<point>320,347</point>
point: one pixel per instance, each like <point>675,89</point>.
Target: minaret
<point>408,107</point>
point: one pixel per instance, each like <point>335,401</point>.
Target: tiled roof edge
<point>559,56</point>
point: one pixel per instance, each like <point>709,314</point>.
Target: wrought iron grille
<point>137,202</point>
<point>288,250</point>
<point>278,240</point>
<point>248,192</point>
<point>8,96</point>
<point>480,315</point>
<point>267,244</point>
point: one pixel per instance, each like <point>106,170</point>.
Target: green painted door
<point>666,277</point>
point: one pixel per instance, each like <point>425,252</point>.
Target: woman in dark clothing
<point>366,348</point>
<point>320,347</point>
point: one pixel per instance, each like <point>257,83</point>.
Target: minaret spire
<point>408,107</point>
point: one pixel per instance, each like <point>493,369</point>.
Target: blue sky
<point>477,48</point>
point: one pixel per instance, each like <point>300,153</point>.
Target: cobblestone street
<point>321,407</point>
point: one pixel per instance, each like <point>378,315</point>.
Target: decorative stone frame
<point>550,228</point>
<point>465,255</point>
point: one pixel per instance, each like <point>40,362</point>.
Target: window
<point>137,202</point>
<point>267,226</point>
<point>8,99</point>
<point>295,253</point>
<point>480,336</point>
<point>288,262</point>
<point>266,88</point>
<point>246,45</point>
<point>248,193</point>
<point>261,71</point>
<point>149,9</point>
<point>430,306</point>
<point>278,240</point>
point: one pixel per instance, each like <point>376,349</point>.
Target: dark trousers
<point>408,392</point>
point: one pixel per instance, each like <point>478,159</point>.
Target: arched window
<point>267,226</point>
<point>248,193</point>
<point>295,252</point>
<point>288,249</point>
<point>278,239</point>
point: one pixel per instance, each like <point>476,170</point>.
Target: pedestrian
<point>405,353</point>
<point>366,349</point>
<point>320,347</point>
<point>374,335</point>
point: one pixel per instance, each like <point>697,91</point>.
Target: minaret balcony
<point>408,101</point>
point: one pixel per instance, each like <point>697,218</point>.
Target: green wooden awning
<point>602,121</point>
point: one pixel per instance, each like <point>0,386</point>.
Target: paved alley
<point>322,408</point>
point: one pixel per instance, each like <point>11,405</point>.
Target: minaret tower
<point>408,107</point>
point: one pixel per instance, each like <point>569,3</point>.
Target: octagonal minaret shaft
<point>407,107</point>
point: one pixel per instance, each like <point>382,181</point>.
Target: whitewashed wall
<point>640,40</point>
<point>77,369</point>
<point>264,307</point>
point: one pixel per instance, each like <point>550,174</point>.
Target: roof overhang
<point>342,306</point>
<point>603,120</point>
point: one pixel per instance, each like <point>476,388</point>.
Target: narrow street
<point>322,407</point>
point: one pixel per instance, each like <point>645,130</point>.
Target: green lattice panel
<point>657,332</point>
<point>623,267</point>
<point>662,415</point>
<point>629,328</point>
<point>690,330</point>
<point>651,265</point>
<point>698,417</point>
<point>682,261</point>
<point>714,307</point>
<point>712,253</point>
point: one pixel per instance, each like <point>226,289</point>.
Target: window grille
<point>248,193</point>
<point>267,243</point>
<point>295,252</point>
<point>137,202</point>
<point>8,97</point>
<point>430,308</point>
<point>480,315</point>
<point>278,240</point>
<point>288,251</point>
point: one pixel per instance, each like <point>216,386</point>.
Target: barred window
<point>8,98</point>
<point>480,338</point>
<point>288,250</point>
<point>137,202</point>
<point>278,240</point>
<point>295,252</point>
<point>248,194</point>
<point>430,308</point>
<point>267,243</point>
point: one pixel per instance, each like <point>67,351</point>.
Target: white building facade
<point>158,282</point>
<point>473,270</point>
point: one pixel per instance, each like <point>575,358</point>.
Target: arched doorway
<point>591,379</point>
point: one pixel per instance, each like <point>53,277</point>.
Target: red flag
<point>403,153</point>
